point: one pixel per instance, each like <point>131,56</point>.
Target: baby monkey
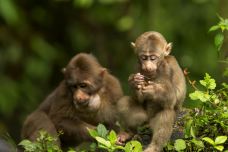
<point>159,89</point>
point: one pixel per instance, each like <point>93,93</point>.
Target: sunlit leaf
<point>209,140</point>
<point>112,137</point>
<point>208,82</point>
<point>28,145</point>
<point>133,146</point>
<point>198,143</point>
<point>214,28</point>
<point>199,95</point>
<point>220,140</point>
<point>104,142</point>
<point>92,132</point>
<point>220,148</point>
<point>179,145</point>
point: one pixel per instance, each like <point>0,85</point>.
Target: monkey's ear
<point>63,70</point>
<point>168,48</point>
<point>133,45</point>
<point>102,72</point>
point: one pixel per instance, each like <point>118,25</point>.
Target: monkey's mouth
<point>81,104</point>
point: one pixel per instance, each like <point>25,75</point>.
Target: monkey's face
<point>84,88</point>
<point>149,63</point>
<point>151,48</point>
<point>84,95</point>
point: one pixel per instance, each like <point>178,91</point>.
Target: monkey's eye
<point>143,57</point>
<point>73,86</point>
<point>82,85</point>
<point>153,57</point>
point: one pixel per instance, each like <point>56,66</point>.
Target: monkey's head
<point>151,48</point>
<point>84,78</point>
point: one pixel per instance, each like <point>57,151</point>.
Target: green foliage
<point>179,145</point>
<point>44,143</point>
<point>219,38</point>
<point>217,143</point>
<point>206,122</point>
<point>107,140</point>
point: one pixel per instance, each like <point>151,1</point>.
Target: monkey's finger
<point>139,78</point>
<point>150,82</point>
<point>148,87</point>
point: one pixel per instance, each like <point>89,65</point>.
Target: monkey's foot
<point>152,148</point>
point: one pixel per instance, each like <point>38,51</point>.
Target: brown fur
<point>71,107</point>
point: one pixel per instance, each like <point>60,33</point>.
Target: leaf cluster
<point>107,140</point>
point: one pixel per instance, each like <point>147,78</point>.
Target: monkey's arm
<point>36,121</point>
<point>162,92</point>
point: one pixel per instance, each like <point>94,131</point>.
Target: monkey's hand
<point>123,137</point>
<point>149,88</point>
<point>137,80</point>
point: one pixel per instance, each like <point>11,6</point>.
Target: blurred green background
<point>37,39</point>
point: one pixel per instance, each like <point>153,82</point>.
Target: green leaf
<point>28,145</point>
<point>102,131</point>
<point>220,140</point>
<point>198,143</point>
<point>219,41</point>
<point>180,145</point>
<point>220,148</point>
<point>93,147</point>
<point>187,128</point>
<point>92,133</point>
<point>112,137</point>
<point>220,18</point>
<point>208,82</point>
<point>169,147</point>
<point>225,73</point>
<point>25,142</point>
<point>199,95</point>
<point>192,132</point>
<point>104,142</point>
<point>133,146</point>
<point>209,140</point>
<point>214,28</point>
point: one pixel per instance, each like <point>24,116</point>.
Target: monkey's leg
<point>35,122</point>
<point>131,114</point>
<point>74,130</point>
<point>162,125</point>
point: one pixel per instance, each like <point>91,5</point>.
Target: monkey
<point>85,97</point>
<point>159,89</point>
